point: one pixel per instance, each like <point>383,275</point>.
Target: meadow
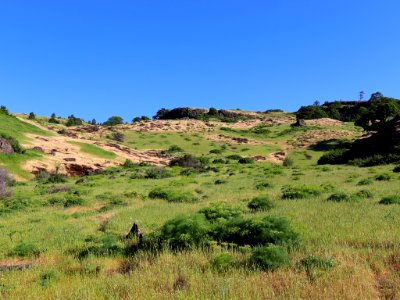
<point>66,239</point>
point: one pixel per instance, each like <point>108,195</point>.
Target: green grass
<point>94,150</point>
<point>361,237</point>
<point>13,162</point>
<point>12,126</point>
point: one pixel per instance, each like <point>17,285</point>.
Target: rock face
<point>5,146</point>
<point>183,113</point>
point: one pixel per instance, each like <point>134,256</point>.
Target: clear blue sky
<point>96,58</point>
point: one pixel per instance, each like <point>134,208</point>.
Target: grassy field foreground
<point>62,240</point>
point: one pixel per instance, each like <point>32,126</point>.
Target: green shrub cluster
<point>172,195</point>
<point>260,203</point>
<point>225,224</point>
<point>392,199</point>
<point>300,192</point>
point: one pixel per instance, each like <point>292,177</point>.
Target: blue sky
<point>95,58</point>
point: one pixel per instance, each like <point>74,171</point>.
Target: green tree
<point>32,116</point>
<point>114,120</point>
<point>379,110</point>
<point>161,113</point>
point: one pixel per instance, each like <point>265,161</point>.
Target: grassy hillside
<point>17,129</point>
<point>69,239</point>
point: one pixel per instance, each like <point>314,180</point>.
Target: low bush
<point>301,192</point>
<point>246,160</point>
<point>219,181</point>
<point>117,136</point>
<point>104,245</point>
<point>393,199</point>
<point>364,194</point>
<point>48,277</point>
<point>396,169</point>
<point>224,224</point>
<point>336,156</point>
<point>187,161</point>
<point>234,157</point>
<point>260,203</point>
<point>339,197</point>
<point>128,164</point>
<point>270,257</point>
<point>366,181</point>
<point>172,149</point>
<point>218,211</point>
<point>263,185</point>
<point>55,178</point>
<point>172,195</point>
<point>24,249</point>
<point>288,162</point>
<point>216,151</point>
<point>186,232</point>
<point>67,201</point>
<point>383,177</point>
<point>222,262</point>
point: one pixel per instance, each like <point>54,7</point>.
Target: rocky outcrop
<point>5,146</point>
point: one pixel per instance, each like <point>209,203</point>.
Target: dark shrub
<point>73,201</point>
<point>339,197</point>
<point>246,160</point>
<point>393,199</point>
<point>216,151</point>
<point>173,149</point>
<point>218,161</point>
<point>32,116</point>
<point>128,164</point>
<point>301,192</point>
<point>270,257</point>
<point>337,156</point>
<point>117,136</point>
<point>383,177</point>
<point>220,181</point>
<point>396,169</point>
<point>73,121</point>
<point>53,119</point>
<point>24,249</point>
<point>187,161</point>
<point>55,178</point>
<point>288,162</point>
<point>263,185</point>
<point>234,157</point>
<point>260,203</point>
